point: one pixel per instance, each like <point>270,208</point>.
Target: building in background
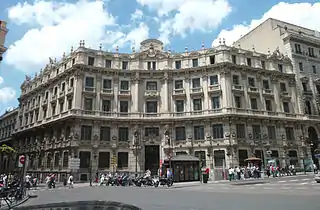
<point>3,33</point>
<point>302,46</point>
<point>221,104</point>
<point>7,129</point>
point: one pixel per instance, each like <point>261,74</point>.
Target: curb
<point>249,183</point>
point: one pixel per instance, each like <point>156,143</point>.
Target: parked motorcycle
<point>166,181</point>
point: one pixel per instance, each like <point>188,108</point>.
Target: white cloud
<point>304,14</point>
<point>137,15</point>
<point>6,93</point>
<point>56,27</point>
<point>188,15</point>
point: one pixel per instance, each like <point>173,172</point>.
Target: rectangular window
<point>265,84</point>
<point>283,87</point>
<point>124,85</point>
<point>272,133</point>
<point>178,84</point>
<point>256,132</point>
<point>196,83</point>
<point>217,131</point>
<point>249,62</point>
<point>290,134</point>
<point>234,59</point>
<point>280,67</point>
<point>86,132</point>
<point>152,106</point>
<point>108,64</point>
<point>179,105</point>
<point>197,104</point>
<point>178,64</point>
<point>89,82</point>
<point>180,133</point>
<point>237,101</point>
<point>151,85</point>
<point>198,132</point>
<point>125,65</point>
<point>215,102</point>
<point>123,134</point>
<point>90,61</point>
<point>88,104</point>
<point>212,59</point>
<point>151,131</point>
<point>235,80</point>
<point>286,108</point>
<point>107,84</point>
<point>263,64</point>
<point>268,105</point>
<point>214,80</point>
<point>195,62</point>
<point>123,160</point>
<point>254,103</point>
<point>105,133</point>
<point>251,82</point>
<point>124,106</point>
<point>300,66</point>
<point>106,105</point>
<point>241,131</point>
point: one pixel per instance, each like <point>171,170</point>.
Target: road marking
<point>303,183</point>
<point>293,180</point>
<point>282,181</point>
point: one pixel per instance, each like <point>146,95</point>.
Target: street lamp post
<point>166,134</point>
<point>136,145</point>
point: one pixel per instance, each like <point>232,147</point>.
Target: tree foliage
<point>6,149</point>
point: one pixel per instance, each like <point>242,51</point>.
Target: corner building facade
<point>221,104</point>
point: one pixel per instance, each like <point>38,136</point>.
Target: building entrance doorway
<point>152,158</point>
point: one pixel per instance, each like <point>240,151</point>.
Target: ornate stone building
<point>220,104</point>
<point>7,129</point>
<point>3,33</point>
<point>302,46</point>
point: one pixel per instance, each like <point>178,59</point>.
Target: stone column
<point>79,77</point>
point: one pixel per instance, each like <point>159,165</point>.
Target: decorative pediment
<point>125,57</point>
<point>177,56</point>
<point>153,54</point>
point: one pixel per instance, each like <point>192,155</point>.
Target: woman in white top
<point>70,181</point>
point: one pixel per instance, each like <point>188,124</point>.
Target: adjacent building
<point>7,129</point>
<point>3,33</point>
<point>127,112</point>
<point>302,46</point>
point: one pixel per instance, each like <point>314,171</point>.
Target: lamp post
<point>166,134</point>
<point>136,146</point>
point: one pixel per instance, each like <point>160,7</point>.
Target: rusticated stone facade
<point>221,104</point>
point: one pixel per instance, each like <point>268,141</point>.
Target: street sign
<point>22,160</point>
<point>74,163</point>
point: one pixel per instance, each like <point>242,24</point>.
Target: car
<point>317,178</point>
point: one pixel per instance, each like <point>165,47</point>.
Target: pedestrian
<point>70,181</point>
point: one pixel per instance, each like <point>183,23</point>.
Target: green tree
<point>6,149</point>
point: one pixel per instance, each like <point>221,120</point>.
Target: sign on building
<point>21,161</point>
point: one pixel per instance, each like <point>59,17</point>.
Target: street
<point>294,193</point>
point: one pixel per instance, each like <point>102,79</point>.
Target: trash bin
<point>205,178</point>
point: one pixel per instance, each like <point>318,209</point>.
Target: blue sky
<point>41,29</point>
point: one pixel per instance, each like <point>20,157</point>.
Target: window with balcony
<point>123,160</point>
<point>151,85</point>
<point>106,105</point>
<point>151,131</point>
<point>217,131</point>
<point>297,48</point>
<point>178,64</point>
<point>254,103</point>
<point>237,101</point>
<point>280,67</point>
<point>108,64</point>
<point>178,84</point>
<point>290,134</point>
<point>215,102</point>
<point>214,80</point>
<point>179,105</point>
<point>272,132</point>
<point>63,86</point>
<point>124,106</point>
<point>124,85</point>
<point>241,131</point>
<point>88,104</point>
<point>107,84</point>
<point>268,105</point>
<point>234,59</point>
<point>105,133</point>
<point>180,133</point>
<point>300,66</point>
<point>151,106</point>
<point>89,82</point>
<point>71,82</point>
<point>125,65</point>
<point>249,62</point>
<point>263,64</point>
<point>256,132</point>
<point>86,132</point>
<point>195,62</point>
<point>265,84</point>
<point>283,87</point>
<point>70,103</point>
<point>196,83</point>
<point>55,92</point>
<point>286,107</point>
<point>198,132</point>
<point>151,65</point>
<point>197,104</point>
<point>314,69</point>
<point>235,79</point>
<point>123,133</point>
<point>251,82</point>
<point>311,52</point>
<point>90,61</point>
<point>212,59</point>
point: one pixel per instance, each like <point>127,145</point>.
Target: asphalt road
<point>202,197</point>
